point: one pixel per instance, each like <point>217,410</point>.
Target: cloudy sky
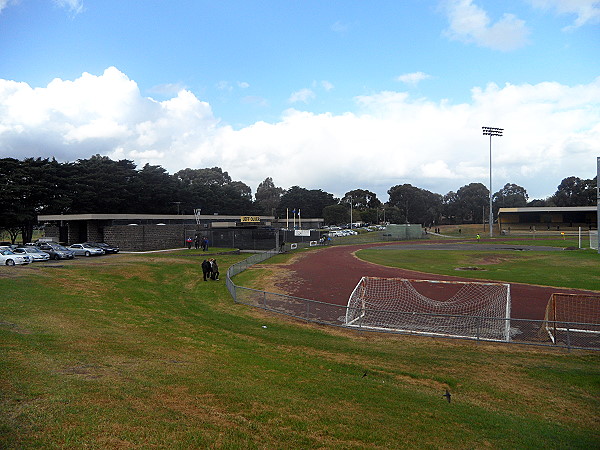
<point>333,95</point>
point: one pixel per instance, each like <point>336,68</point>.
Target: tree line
<point>34,186</point>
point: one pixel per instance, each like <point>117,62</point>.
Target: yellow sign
<point>250,219</point>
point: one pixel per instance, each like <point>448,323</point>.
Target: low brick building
<point>141,232</point>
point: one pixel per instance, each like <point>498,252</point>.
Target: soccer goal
<point>594,239</point>
<point>577,313</point>
<point>471,310</point>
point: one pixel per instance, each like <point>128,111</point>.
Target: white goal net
<point>449,308</point>
<point>577,313</point>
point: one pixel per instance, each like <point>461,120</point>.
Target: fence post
<point>568,338</point>
<point>478,328</point>
<point>360,321</point>
<point>307,310</point>
<point>264,299</point>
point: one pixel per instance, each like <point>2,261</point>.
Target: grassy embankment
<point>138,351</point>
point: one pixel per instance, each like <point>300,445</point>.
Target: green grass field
<point>570,268</point>
<point>136,351</point>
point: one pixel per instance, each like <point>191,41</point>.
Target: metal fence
<point>568,335</point>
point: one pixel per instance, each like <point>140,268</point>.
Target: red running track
<point>329,275</point>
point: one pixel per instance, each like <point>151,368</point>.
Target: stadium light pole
<point>491,131</point>
<point>350,212</point>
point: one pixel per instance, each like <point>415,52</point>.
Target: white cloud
<point>224,86</point>
<point>303,95</point>
<point>74,6</point>
<point>243,84</point>
<point>3,4</point>
<point>167,88</point>
<point>470,23</point>
<point>551,131</point>
<point>587,11</point>
<point>413,78</point>
<point>98,114</point>
<point>327,85</point>
<point>340,27</point>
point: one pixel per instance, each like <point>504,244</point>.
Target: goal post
<point>473,310</point>
<point>577,313</point>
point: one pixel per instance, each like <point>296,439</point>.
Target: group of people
<point>198,242</point>
<point>210,269</point>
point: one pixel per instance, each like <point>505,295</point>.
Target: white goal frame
<point>573,313</point>
<point>477,310</point>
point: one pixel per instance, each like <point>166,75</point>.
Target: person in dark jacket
<point>214,268</point>
<point>206,269</point>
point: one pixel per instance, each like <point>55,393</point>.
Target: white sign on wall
<point>302,233</point>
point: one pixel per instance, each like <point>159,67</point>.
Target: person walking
<point>214,268</point>
<point>206,269</point>
<point>188,242</point>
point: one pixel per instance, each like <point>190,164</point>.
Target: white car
<point>10,258</point>
<point>35,253</point>
<point>85,250</point>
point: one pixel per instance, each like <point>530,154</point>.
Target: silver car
<point>85,250</point>
<point>35,253</point>
<point>10,258</point>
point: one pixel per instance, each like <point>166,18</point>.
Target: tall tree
<point>206,177</point>
<point>450,208</point>
<point>471,201</point>
<point>213,191</point>
<point>416,205</point>
<point>268,196</point>
<point>336,215</point>
<point>510,196</point>
<point>157,191</point>
<point>574,191</point>
<point>361,199</point>
<point>28,188</point>
<point>310,202</point>
<point>100,185</point>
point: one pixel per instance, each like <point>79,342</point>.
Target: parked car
<point>9,258</point>
<point>85,250</point>
<point>56,251</point>
<point>104,246</point>
<point>13,249</point>
<point>34,252</point>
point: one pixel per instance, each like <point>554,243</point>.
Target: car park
<point>35,253</point>
<point>85,250</point>
<point>104,246</point>
<point>56,251</point>
<point>9,258</point>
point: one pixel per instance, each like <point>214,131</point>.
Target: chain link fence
<point>568,335</point>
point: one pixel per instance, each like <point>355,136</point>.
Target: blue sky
<point>332,95</point>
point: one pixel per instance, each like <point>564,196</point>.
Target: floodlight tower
<point>350,212</point>
<point>491,131</point>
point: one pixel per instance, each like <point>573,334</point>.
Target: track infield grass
<point>138,351</point>
<point>576,269</point>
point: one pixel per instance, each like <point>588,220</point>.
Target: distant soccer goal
<point>444,308</point>
<point>594,239</point>
<point>576,313</point>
